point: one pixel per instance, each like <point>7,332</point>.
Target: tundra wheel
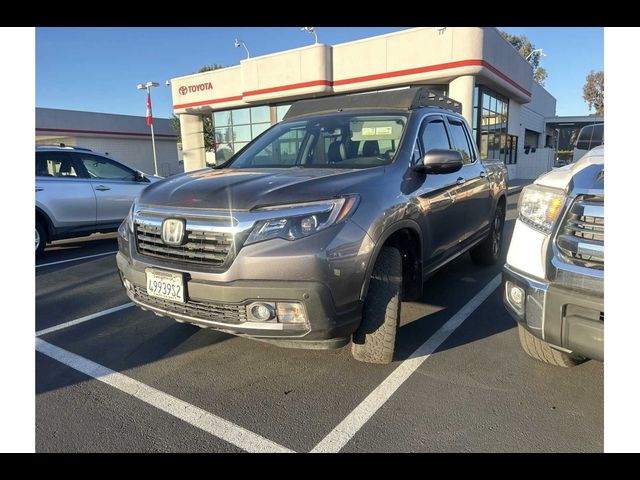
<point>488,252</point>
<point>374,341</point>
<point>541,350</point>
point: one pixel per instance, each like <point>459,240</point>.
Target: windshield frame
<point>375,113</point>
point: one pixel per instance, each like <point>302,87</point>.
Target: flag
<point>149,109</point>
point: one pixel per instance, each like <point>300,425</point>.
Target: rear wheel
<point>375,339</point>
<point>41,238</point>
<point>541,350</point>
<point>488,252</point>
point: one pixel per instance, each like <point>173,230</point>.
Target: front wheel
<point>375,339</point>
<point>41,238</point>
<point>488,252</point>
<point>542,351</point>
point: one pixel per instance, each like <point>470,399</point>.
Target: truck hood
<point>562,177</point>
<point>244,189</point>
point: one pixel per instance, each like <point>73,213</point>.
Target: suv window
<point>434,135</point>
<point>461,141</point>
<point>56,164</point>
<point>105,169</point>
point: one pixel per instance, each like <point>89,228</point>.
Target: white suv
<point>79,192</point>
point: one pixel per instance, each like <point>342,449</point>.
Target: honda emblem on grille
<point>173,231</point>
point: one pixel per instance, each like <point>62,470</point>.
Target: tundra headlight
<point>291,222</point>
<point>539,207</point>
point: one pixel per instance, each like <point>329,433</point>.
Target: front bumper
<point>569,319</point>
<point>325,328</point>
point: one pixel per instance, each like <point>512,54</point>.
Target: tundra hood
<point>563,177</point>
<point>245,189</point>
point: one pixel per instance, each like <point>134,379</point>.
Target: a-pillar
<point>192,133</point>
<point>461,90</point>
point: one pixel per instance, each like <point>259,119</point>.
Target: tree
<point>525,47</point>
<point>207,122</point>
<point>593,91</point>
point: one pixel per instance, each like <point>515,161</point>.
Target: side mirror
<point>441,161</point>
<point>139,176</point>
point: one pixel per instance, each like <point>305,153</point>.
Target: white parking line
<point>340,435</point>
<point>74,259</point>
<point>71,323</point>
<point>199,418</point>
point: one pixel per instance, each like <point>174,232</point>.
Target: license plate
<point>165,285</point>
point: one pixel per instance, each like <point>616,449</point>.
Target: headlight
<point>539,207</point>
<point>303,219</point>
<point>129,219</point>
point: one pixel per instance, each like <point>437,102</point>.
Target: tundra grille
<point>581,235</point>
<point>218,312</point>
<point>201,247</point>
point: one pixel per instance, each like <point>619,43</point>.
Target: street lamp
<point>147,86</point>
<point>310,30</point>
<point>239,43</point>
<point>542,54</point>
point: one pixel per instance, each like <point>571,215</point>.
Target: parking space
<point>460,381</point>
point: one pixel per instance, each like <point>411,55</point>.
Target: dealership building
<point>505,107</point>
<point>123,137</point>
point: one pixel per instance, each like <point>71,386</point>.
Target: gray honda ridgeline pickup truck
<point>312,234</point>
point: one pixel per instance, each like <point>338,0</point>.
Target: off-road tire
<point>541,350</point>
<point>43,237</point>
<point>375,339</point>
<point>488,252</point>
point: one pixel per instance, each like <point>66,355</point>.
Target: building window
<point>281,111</point>
<point>490,120</point>
<point>235,128</point>
<point>531,139</point>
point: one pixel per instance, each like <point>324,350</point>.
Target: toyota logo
<point>183,90</point>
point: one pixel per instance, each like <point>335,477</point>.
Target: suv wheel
<point>374,341</point>
<point>41,238</point>
<point>488,252</point>
<point>541,350</point>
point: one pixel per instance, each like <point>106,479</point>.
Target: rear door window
<point>57,165</point>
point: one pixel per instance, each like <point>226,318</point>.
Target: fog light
<point>260,311</point>
<point>515,296</point>
<point>127,284</point>
<point>291,312</point>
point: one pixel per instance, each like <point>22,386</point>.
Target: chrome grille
<point>581,236</point>
<point>219,312</point>
<point>202,247</point>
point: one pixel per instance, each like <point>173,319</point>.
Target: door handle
<point>102,188</point>
<point>39,189</point>
<point>460,181</point>
<point>483,174</point>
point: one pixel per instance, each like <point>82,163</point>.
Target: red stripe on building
<point>292,86</point>
<point>366,78</point>
<point>103,132</point>
<point>208,102</point>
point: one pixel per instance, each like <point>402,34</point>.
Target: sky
<point>97,69</point>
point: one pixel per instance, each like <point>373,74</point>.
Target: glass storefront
<point>235,128</point>
<point>490,120</point>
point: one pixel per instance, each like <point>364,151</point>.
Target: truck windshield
<point>330,141</point>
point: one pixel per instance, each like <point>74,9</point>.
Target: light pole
<point>542,54</point>
<point>147,86</point>
<point>239,43</point>
<point>310,30</point>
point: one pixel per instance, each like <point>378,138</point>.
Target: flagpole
<point>147,86</point>
<point>153,139</point>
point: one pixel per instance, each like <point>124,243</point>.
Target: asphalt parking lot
<point>129,381</point>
